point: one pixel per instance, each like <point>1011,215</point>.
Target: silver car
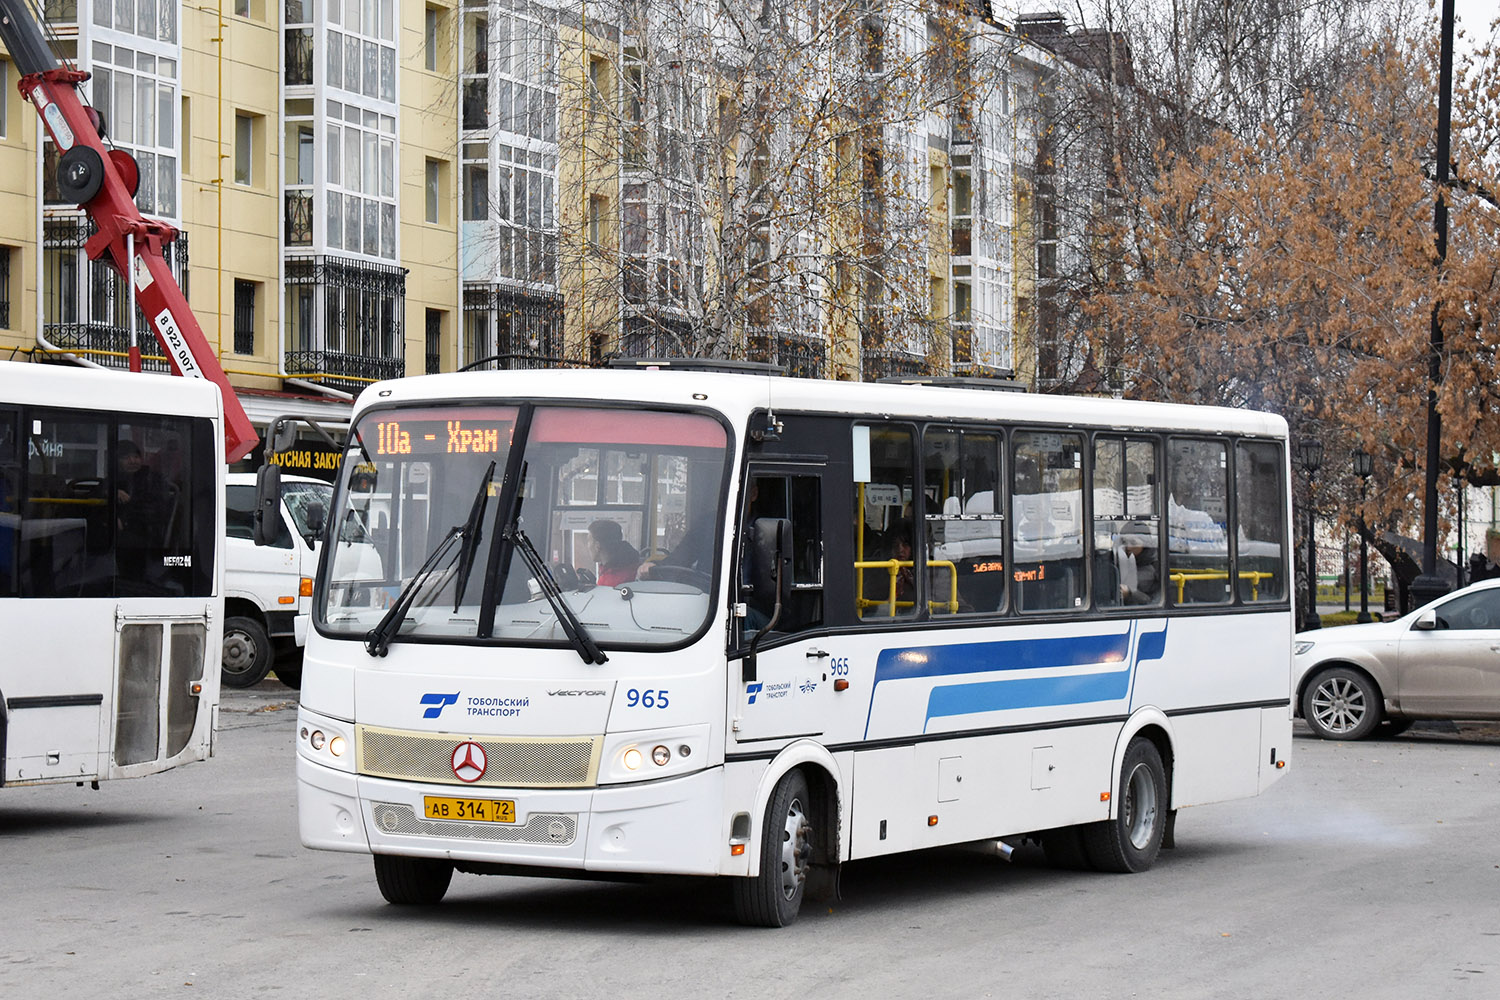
<point>1442,661</point>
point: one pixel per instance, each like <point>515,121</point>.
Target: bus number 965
<point>646,699</point>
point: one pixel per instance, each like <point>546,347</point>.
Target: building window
<point>598,205</point>
<point>429,38</point>
<point>244,147</point>
<point>5,255</point>
<point>434,180</point>
<point>244,316</point>
<point>434,341</point>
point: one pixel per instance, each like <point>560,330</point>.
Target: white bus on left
<point>111,552</point>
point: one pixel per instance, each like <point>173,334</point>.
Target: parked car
<point>268,589</point>
<point>1442,661</point>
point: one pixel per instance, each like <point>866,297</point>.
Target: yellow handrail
<point>1254,576</point>
<point>894,568</point>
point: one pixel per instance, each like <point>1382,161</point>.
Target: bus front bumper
<point>671,826</point>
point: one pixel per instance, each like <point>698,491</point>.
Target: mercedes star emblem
<point>469,762</point>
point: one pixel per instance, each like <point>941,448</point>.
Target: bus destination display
<point>452,437</point>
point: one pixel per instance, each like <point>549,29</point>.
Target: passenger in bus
<point>1140,579</point>
<point>693,552</point>
<point>142,502</point>
<point>901,551</point>
<point>617,558</point>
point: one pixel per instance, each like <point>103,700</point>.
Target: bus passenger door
<point>790,691</point>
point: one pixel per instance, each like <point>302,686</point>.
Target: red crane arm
<point>102,181</point>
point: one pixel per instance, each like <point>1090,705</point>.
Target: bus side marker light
<point>196,688</point>
<point>304,589</point>
<point>736,850</point>
<point>1103,796</point>
<point>841,684</point>
<point>1280,764</point>
<point>932,821</point>
<point>284,599</point>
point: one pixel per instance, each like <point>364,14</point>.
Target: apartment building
<point>376,188</point>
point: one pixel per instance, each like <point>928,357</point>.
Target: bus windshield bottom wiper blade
<point>378,639</point>
<point>574,629</point>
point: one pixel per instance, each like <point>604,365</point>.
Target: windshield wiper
<point>473,532</point>
<point>378,639</point>
<point>574,629</point>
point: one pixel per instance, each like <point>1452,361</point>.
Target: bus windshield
<point>623,507</point>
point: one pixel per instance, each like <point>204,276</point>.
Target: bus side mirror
<point>268,526</point>
<point>281,436</point>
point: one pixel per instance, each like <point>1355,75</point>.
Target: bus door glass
<point>788,695</point>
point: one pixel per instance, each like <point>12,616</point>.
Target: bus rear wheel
<point>412,881</point>
<point>774,897</point>
<point>1131,840</point>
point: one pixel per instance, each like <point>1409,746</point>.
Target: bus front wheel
<point>774,897</point>
<point>1131,840</point>
<point>412,881</point>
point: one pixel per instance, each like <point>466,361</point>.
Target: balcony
<point>350,372</point>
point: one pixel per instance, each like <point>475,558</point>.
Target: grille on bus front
<point>568,762</point>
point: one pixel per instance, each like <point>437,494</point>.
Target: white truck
<point>268,589</point>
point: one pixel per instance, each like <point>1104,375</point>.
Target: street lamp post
<point>1429,585</point>
<point>1364,464</point>
<point>1310,456</point>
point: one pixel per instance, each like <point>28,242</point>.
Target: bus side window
<point>965,530</point>
<point>1197,522</point>
<point>1260,505</point>
<point>887,576</point>
<point>10,510</point>
<point>1047,565</point>
<point>1127,529</point>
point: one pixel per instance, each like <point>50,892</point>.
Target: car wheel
<point>774,897</point>
<point>1131,841</point>
<point>412,881</point>
<point>247,654</point>
<point>1341,704</point>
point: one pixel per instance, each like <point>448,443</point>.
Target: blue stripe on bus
<point>1060,652</point>
<point>1027,692</point>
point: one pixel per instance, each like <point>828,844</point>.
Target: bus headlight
<point>324,741</point>
<point>658,753</point>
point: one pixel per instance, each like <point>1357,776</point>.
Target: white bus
<point>864,618</point>
<point>111,543</point>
